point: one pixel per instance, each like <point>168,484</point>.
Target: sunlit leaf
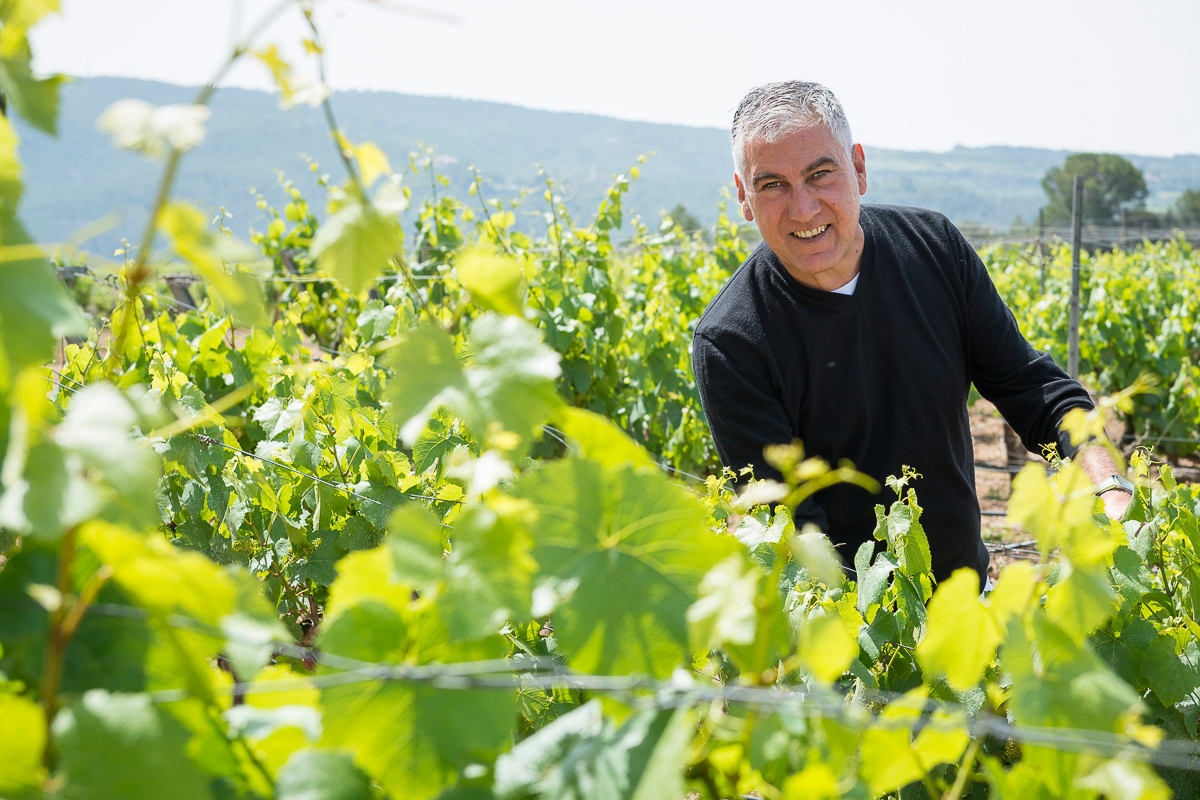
<point>494,281</point>
<point>355,244</point>
<point>22,740</point>
<point>962,636</point>
<point>726,611</point>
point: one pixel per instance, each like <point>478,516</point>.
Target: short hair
<point>773,110</point>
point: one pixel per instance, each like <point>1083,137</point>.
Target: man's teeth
<point>810,234</point>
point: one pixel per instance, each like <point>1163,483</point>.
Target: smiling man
<point>859,329</point>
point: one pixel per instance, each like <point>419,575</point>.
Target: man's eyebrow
<point>759,177</point>
<point>823,161</point>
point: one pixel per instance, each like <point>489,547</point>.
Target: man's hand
<point>1115,502</point>
<point>1098,464</point>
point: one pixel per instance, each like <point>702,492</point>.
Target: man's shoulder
<point>734,311</point>
<point>908,221</point>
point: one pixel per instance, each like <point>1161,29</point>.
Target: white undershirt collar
<point>849,287</point>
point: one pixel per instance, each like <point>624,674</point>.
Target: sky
<point>1098,75</point>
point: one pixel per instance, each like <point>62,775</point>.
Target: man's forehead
<point>794,150</point>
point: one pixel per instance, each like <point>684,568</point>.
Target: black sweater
<point>880,377</point>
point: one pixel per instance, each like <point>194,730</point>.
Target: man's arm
<point>1029,389</point>
<point>1098,464</point>
<point>744,416</point>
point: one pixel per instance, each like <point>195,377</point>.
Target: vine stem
<point>327,108</point>
<point>140,273</point>
<point>964,772</point>
<point>64,621</point>
<point>56,642</point>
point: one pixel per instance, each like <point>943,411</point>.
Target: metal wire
<point>525,672</point>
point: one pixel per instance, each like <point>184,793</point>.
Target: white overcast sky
<point>1098,75</point>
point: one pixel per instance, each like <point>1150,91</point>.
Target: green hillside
<point>80,176</point>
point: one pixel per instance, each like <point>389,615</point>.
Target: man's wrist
<point>1114,482</point>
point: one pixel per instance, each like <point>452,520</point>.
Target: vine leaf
<point>354,245</point>
<point>962,637</point>
<point>494,282</point>
<point>634,547</point>
<point>113,745</point>
<point>22,738</point>
<point>508,380</point>
<point>582,756</point>
<point>313,774</point>
<point>410,737</point>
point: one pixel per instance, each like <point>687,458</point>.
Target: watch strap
<point>1114,482</point>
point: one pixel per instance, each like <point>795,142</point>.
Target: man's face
<point>803,191</point>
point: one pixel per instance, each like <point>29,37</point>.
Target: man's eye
<point>771,184</point>
<point>821,173</point>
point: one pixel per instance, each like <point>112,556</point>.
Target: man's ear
<point>860,167</point>
<point>747,214</point>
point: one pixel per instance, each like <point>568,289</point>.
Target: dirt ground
<point>1006,542</point>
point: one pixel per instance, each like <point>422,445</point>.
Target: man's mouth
<point>814,233</point>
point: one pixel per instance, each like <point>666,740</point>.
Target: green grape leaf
<point>582,756</point>
<point>436,442</point>
<point>1081,602</point>
<point>599,439</point>
<point>872,580</point>
<point>386,498</point>
<point>489,571</point>
<point>320,566</point>
<point>511,376</point>
<point>162,578</point>
<point>36,503</point>
<point>905,536</point>
<point>418,546</point>
<point>508,380</point>
<point>410,737</point>
<point>813,550</point>
<point>428,374</point>
<point>359,534</point>
<point>22,739</point>
<point>10,165</point>
<point>826,646</point>
<point>35,309</point>
<point>1067,685</point>
<point>887,761</point>
<point>961,637</point>
<point>494,281</point>
<point>1172,676</point>
<point>113,745</point>
<point>355,244</point>
<point>35,99</point>
<point>313,774</point>
<point>1121,779</point>
<point>628,549</point>
<point>881,630</point>
<point>726,611</point>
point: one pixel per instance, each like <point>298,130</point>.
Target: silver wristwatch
<point>1114,482</point>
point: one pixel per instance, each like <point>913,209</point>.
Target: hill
<point>80,176</point>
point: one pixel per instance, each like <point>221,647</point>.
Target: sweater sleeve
<point>745,416</point>
<point>1029,389</point>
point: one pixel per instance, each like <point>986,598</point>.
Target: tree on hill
<point>1110,183</point>
<point>1187,207</point>
<point>684,218</point>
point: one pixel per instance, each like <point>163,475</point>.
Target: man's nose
<point>802,203</point>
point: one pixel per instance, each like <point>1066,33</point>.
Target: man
<point>859,331</point>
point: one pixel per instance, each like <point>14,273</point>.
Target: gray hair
<point>771,111</point>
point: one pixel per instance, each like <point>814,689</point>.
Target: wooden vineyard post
<point>1076,243</point>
